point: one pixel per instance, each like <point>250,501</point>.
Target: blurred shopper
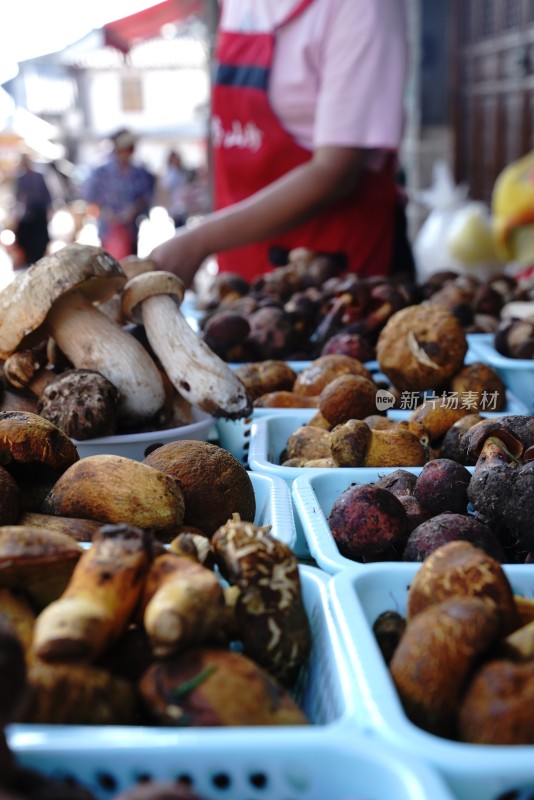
<point>173,188</point>
<point>33,203</point>
<point>123,193</point>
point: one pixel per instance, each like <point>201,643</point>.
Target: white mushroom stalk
<point>91,340</point>
<point>197,373</point>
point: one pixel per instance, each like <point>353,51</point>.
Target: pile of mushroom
<point>86,371</point>
<point>464,661</point>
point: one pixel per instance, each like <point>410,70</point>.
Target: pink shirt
<point>340,68</point>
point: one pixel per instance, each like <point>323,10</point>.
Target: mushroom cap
<point>26,301</point>
<point>115,490</point>
<point>39,560</point>
<point>215,484</point>
<point>519,425</point>
<point>82,402</point>
<point>149,284</point>
<point>421,347</point>
<point>27,438</point>
<point>460,568</point>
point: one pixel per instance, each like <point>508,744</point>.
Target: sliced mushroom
<point>153,300</point>
<point>56,297</point>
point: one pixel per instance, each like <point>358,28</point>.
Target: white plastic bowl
<point>137,445</point>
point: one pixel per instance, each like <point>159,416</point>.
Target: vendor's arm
<point>329,176</point>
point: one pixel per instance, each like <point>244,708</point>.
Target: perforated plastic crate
<point>517,373</point>
<point>268,765</point>
<point>314,493</point>
<point>324,691</point>
<point>474,772</point>
<point>274,507</point>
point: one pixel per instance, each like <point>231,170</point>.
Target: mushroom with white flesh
<point>57,297</point>
<point>153,300</point>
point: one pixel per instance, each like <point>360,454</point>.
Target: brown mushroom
<point>37,560</point>
<point>480,387</point>
<point>81,402</point>
<point>355,444</point>
<point>497,705</point>
<point>99,598</point>
<point>56,297</point>
<point>35,452</point>
<point>460,568</point>
<point>116,489</point>
<point>313,379</point>
<point>421,347</point>
<point>270,612</point>
<point>214,483</point>
<point>435,657</point>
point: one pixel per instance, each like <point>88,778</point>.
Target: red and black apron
<point>252,149</point>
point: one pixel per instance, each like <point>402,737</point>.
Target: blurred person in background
<point>33,204</point>
<point>123,193</point>
<point>172,189</point>
<point>307,119</point>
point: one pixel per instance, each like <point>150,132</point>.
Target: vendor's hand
<point>182,254</point>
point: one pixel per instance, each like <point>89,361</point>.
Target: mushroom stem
<point>91,340</point>
<point>200,375</point>
<point>27,369</point>
<point>197,373</point>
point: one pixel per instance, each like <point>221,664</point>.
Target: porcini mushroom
<point>153,299</point>
<point>35,452</point>
<point>115,490</point>
<point>270,612</point>
<point>56,297</point>
<point>82,402</point>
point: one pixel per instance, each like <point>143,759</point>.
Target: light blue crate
<point>108,758</point>
<point>274,507</point>
<point>516,373</point>
<point>239,764</point>
<point>314,493</point>
<point>268,438</point>
<point>474,772</point>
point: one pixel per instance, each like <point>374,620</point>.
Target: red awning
<point>124,33</point>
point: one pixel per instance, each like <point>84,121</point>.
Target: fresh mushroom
<point>28,370</point>
<point>115,490</point>
<point>35,452</point>
<point>274,627</point>
<point>56,297</point>
<point>153,299</point>
<point>81,402</point>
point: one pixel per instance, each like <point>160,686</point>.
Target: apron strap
<point>299,8</point>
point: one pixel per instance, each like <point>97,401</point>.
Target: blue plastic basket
<point>314,493</point>
<point>274,507</point>
<point>108,758</point>
<point>517,373</point>
<point>266,764</point>
<point>474,772</point>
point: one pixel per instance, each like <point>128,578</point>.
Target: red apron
<point>252,149</point>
